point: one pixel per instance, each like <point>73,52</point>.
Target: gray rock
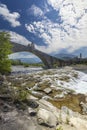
<point>84,107</point>
<point>66,110</point>
<point>6,108</point>
<point>48,106</point>
<point>59,96</point>
<point>37,94</point>
<point>46,97</point>
<point>32,111</point>
<point>32,103</point>
<point>46,118</point>
<point>29,96</point>
<point>47,90</point>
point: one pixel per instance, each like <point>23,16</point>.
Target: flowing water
<point>25,70</point>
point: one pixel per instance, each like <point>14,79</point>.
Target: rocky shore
<point>46,100</point>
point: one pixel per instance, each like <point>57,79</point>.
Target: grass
<point>60,117</point>
<point>67,118</point>
<point>59,128</point>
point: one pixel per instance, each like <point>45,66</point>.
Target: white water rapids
<point>77,84</point>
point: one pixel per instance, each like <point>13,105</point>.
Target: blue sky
<point>55,26</point>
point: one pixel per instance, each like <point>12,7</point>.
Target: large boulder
<point>48,106</point>
<point>46,118</point>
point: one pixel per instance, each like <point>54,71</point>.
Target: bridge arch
<point>48,60</point>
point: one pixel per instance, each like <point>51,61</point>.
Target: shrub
<point>5,50</point>
<point>59,128</point>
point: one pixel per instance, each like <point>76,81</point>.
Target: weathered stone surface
<point>46,117</point>
<point>6,108</point>
<point>48,106</point>
<point>32,103</point>
<point>47,97</point>
<point>78,123</point>
<point>29,96</point>
<point>84,107</point>
<point>66,110</point>
<point>32,111</point>
<point>37,94</point>
<point>59,96</point>
<point>47,90</point>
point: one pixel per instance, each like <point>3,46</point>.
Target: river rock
<point>32,103</point>
<point>48,106</point>
<point>37,94</point>
<point>47,90</point>
<point>46,118</point>
<point>29,96</point>
<point>32,111</point>
<point>84,107</point>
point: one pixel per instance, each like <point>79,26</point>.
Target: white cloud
<point>49,32</point>
<point>55,3</point>
<point>10,17</point>
<point>18,38</point>
<point>30,28</point>
<point>71,34</point>
<point>36,11</point>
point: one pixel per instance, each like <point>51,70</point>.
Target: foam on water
<point>79,85</point>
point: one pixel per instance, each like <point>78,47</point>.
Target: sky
<point>55,26</point>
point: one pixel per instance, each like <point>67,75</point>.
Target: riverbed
<point>77,83</point>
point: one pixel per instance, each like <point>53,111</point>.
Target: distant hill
<point>65,56</point>
<point>29,60</point>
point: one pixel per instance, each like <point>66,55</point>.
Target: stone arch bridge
<point>49,61</point>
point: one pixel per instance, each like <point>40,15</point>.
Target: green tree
<point>5,50</point>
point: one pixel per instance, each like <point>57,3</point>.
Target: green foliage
<point>67,118</point>
<point>60,117</point>
<point>19,62</point>
<point>22,95</point>
<point>59,128</point>
<point>55,65</point>
<point>26,65</point>
<point>5,50</point>
<point>16,62</point>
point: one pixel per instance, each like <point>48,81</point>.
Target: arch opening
<point>25,57</point>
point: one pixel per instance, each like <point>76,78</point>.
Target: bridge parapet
<point>31,46</point>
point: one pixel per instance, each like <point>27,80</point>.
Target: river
<point>25,70</point>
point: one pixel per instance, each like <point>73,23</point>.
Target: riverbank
<point>48,99</point>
